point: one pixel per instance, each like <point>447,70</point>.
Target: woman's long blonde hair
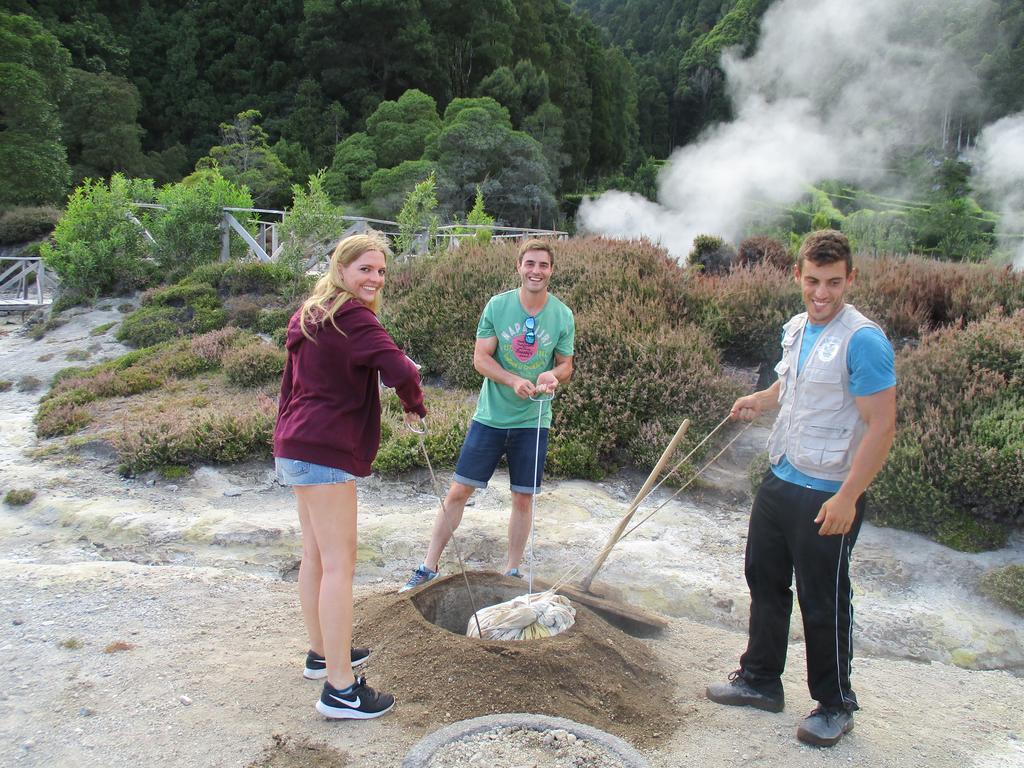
<point>330,292</point>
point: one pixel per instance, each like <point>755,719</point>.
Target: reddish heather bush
<point>233,433</point>
<point>214,345</point>
<point>909,295</point>
<point>744,310</point>
<point>638,363</point>
<point>63,419</point>
<point>762,249</point>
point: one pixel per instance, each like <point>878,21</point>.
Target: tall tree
<point>33,76</point>
<point>100,126</point>
<point>244,159</point>
<point>400,130</point>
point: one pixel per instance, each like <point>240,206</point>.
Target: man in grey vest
<point>836,395</point>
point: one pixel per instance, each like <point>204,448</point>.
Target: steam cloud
<point>999,165</point>
<point>832,89</point>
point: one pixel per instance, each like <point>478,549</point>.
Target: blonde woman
<point>327,435</point>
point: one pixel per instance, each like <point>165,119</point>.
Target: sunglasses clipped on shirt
<point>531,330</point>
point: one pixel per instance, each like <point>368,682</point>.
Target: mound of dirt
<point>592,673</point>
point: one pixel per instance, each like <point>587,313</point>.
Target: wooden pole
<point>651,480</point>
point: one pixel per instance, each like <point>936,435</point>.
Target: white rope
<point>582,566</point>
<point>444,513</point>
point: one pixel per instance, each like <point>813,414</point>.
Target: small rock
<point>185,700</point>
<point>172,488</point>
<point>151,482</point>
<point>28,744</point>
<point>231,492</point>
<point>18,622</point>
<point>86,711</point>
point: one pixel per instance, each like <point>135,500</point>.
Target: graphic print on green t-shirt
<point>505,318</point>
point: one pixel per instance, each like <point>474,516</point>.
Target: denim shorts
<point>295,472</point>
<point>484,447</point>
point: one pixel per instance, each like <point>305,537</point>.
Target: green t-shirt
<point>504,317</point>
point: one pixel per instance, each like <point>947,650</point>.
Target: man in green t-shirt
<point>524,348</point>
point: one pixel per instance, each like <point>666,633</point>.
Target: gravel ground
<point>523,748</point>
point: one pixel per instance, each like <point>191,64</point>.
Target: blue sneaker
<point>514,573</point>
<point>419,577</point>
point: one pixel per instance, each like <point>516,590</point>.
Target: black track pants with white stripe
<point>783,539</point>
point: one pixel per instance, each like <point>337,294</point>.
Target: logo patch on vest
<point>828,349</point>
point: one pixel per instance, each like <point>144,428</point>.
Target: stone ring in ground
<point>610,746</point>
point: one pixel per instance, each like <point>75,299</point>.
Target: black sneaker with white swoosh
<point>316,665</point>
<point>360,702</point>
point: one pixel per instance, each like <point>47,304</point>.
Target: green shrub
<point>447,422</point>
<point>189,232</point>
<point>253,365</point>
<point>711,254</point>
<point>956,472</point>
<point>759,465</point>
<point>168,313</point>
<point>633,386</point>
<point>172,471</point>
<point>98,245</point>
<point>243,311</point>
<point>272,320</point>
<point>1006,585</point>
<point>5,385</point>
<point>19,497</point>
<point>24,223</point>
<point>311,226</point>
<point>150,325</point>
<point>99,330</point>
<point>255,277</point>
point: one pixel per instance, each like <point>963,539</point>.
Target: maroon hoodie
<point>329,409</point>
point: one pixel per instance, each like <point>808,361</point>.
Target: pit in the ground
<point>448,603</point>
<point>592,673</point>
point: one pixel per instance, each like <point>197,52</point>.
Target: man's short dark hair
<point>536,244</point>
<point>826,246</point>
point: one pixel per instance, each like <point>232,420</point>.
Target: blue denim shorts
<point>483,448</point>
<point>295,472</point>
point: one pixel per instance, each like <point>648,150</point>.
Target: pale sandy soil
<point>195,576</point>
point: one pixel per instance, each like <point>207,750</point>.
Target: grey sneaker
<point>515,573</point>
<point>419,577</point>
<point>739,692</point>
<point>825,726</point>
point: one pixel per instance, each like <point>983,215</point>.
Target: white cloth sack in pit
<point>527,617</point>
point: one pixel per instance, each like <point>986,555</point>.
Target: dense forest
<point>531,102</point>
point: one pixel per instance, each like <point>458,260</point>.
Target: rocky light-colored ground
<point>152,623</point>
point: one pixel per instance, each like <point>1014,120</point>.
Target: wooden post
<point>225,238</point>
<point>651,480</point>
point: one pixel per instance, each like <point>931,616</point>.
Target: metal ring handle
<point>413,429</point>
<point>543,399</point>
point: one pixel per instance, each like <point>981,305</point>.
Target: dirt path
<point>155,624</point>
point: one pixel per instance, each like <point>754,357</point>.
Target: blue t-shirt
<point>872,366</point>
